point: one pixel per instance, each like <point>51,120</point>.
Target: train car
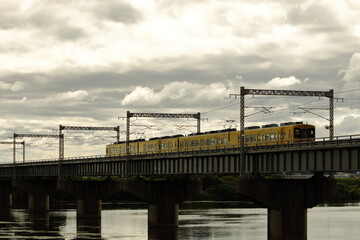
<point>160,145</point>
<point>290,132</point>
<point>207,140</point>
<point>150,147</point>
<point>119,148</point>
<point>169,143</point>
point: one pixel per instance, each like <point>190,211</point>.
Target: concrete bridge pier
<point>5,198</point>
<point>163,233</point>
<point>287,201</point>
<point>163,198</point>
<point>38,191</point>
<point>89,195</point>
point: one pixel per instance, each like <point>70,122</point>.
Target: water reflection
<point>163,234</point>
<point>35,225</point>
<point>330,223</point>
<point>225,223</point>
<point>88,228</point>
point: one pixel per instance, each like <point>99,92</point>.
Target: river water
<point>324,222</point>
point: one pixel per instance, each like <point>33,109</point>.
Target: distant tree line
<point>223,189</point>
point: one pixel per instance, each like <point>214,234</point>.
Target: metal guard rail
<point>318,142</point>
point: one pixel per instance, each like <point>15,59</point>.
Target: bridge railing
<point>323,141</point>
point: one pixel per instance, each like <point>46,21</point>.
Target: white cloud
<point>78,95</point>
<point>178,92</point>
<point>352,72</point>
<point>347,124</point>
<point>285,82</point>
<point>142,95</point>
<point>17,86</point>
<point>351,76</point>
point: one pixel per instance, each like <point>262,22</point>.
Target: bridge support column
<point>164,213</point>
<point>287,201</point>
<point>38,202</point>
<point>88,207</point>
<point>89,196</point>
<point>287,224</point>
<point>38,191</point>
<point>163,198</point>
<point>5,198</point>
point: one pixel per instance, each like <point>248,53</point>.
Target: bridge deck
<point>339,155</point>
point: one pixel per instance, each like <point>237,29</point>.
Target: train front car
<point>302,132</point>
<point>271,134</point>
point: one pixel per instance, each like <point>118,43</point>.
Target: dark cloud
<point>117,12</point>
<point>316,18</point>
<point>41,19</point>
<point>10,19</point>
<point>61,27</point>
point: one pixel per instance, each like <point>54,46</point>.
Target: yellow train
<point>290,132</point>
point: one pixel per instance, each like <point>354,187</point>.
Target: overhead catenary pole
<point>329,94</point>
<point>154,115</point>
<point>23,143</point>
<point>31,135</point>
<point>242,126</point>
<point>14,148</point>
<point>27,135</point>
<point>82,128</point>
<point>331,113</point>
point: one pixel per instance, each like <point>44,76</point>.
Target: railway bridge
<point>287,200</point>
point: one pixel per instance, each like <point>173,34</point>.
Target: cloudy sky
<point>87,62</point>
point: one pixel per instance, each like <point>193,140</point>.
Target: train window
<point>224,140</point>
<point>267,136</point>
<point>250,138</point>
<point>210,141</point>
<point>311,133</point>
<point>307,133</point>
<point>150,147</point>
<point>272,136</point>
<point>297,133</point>
<point>194,143</point>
